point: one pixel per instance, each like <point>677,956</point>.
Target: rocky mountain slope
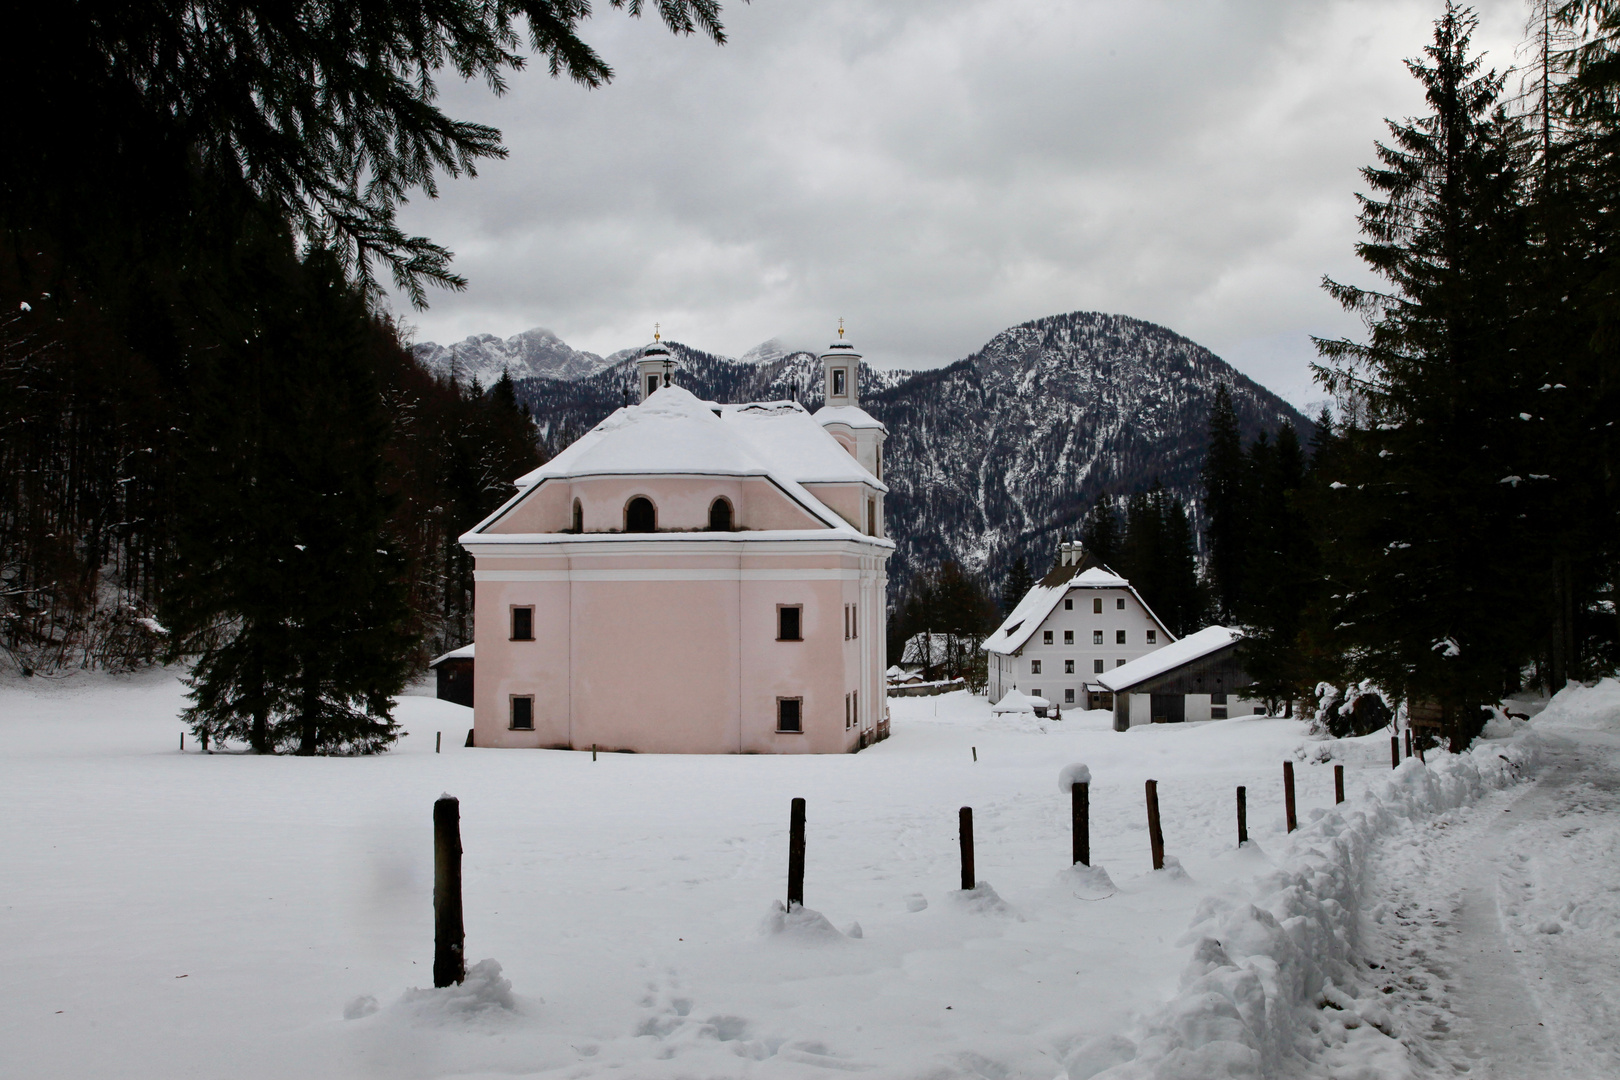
<point>533,354</point>
<point>998,455</point>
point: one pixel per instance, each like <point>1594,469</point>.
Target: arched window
<point>579,517</point>
<point>720,516</point>
<point>639,516</point>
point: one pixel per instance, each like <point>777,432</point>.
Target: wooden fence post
<point>1155,834</point>
<point>438,740</point>
<point>449,934</point>
<point>1419,744</point>
<point>1243,816</point>
<point>1338,784</point>
<point>796,854</point>
<point>1408,742</point>
<point>1288,794</point>
<point>1080,794</point>
<point>964,822</point>
<point>1394,751</point>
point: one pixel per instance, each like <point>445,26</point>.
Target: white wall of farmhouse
<point>1075,643</point>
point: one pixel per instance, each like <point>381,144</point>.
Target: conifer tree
<point>1100,532</point>
<point>1224,491</point>
<point>1431,533</point>
<point>1019,581</point>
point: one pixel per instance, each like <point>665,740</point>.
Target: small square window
<point>1034,667</point>
<point>1068,696</point>
<point>1097,667</point>
<point>1119,663</point>
<point>789,714</point>
<point>1068,667</point>
<point>1152,637</point>
<point>788,620</point>
<point>522,714</point>
<point>1046,637</point>
<point>1068,604</point>
<point>1096,637</point>
<point>1096,605</point>
<point>1119,637</point>
<point>1036,692</point>
<point>523,624</point>
<point>1119,605</point>
<point>1068,637</point>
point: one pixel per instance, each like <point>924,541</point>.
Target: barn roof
<point>1193,647</point>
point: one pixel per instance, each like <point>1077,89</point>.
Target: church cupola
<point>840,366</point>
<point>655,366</point>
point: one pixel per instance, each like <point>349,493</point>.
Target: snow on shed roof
<point>1038,603</point>
<point>1015,701</point>
<point>1192,647</point>
<point>795,444</point>
<point>463,653</point>
<point>851,416</point>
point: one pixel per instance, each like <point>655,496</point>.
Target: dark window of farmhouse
<point>720,516</point>
<point>639,516</point>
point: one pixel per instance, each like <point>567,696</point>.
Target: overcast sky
<point>936,171</point>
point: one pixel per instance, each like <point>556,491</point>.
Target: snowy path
<point>1498,934</point>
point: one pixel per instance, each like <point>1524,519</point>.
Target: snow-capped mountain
<point>997,455</point>
<point>533,354</point>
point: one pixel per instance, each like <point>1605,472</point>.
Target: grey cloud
<point>937,171</point>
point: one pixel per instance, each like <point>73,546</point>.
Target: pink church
<point>693,578</point>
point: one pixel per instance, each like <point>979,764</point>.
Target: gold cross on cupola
<point>658,336</point>
<point>840,327</point>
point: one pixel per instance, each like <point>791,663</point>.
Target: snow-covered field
<point>169,914</point>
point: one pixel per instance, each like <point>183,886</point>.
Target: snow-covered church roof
<point>675,433</point>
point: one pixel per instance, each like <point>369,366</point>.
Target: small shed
<point>455,672</point>
<point>1017,702</point>
<point>1195,678</point>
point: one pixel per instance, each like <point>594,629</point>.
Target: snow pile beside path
<point>1588,708</point>
<point>1268,960</point>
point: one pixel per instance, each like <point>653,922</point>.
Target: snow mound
<point>983,900</point>
<point>483,993</point>
<point>1590,708</point>
<point>362,1006</point>
<point>799,925</point>
<point>1072,775</point>
<point>1088,882</point>
<point>1264,964</point>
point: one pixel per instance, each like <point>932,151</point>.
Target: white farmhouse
<point>1079,622</point>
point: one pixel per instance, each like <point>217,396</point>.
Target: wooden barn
<point>1196,678</point>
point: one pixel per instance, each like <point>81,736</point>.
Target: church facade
<point>691,577</point>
